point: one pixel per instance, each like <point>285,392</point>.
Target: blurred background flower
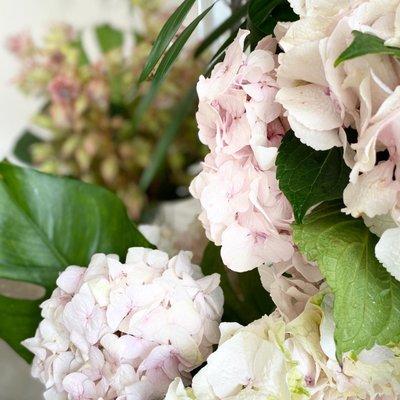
<point>89,106</point>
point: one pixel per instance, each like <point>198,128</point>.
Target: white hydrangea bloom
<point>125,331</point>
<point>269,359</point>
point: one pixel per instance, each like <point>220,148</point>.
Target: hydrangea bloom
<point>115,331</point>
<point>269,359</point>
<point>291,284</point>
<point>322,100</point>
<point>243,209</point>
<point>90,106</point>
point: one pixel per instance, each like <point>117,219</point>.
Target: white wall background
<point>15,112</point>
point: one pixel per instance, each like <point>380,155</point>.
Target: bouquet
<point>297,295</point>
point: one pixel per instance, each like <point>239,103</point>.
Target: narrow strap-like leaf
<point>164,67</point>
<point>173,52</point>
<point>182,110</point>
<point>229,23</point>
<point>165,36</point>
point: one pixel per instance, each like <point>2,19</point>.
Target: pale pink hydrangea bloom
<point>291,284</point>
<point>243,209</point>
<point>125,331</point>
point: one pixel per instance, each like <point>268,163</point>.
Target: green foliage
<point>367,297</point>
<point>363,44</point>
<point>22,149</point>
<point>231,23</point>
<point>245,298</point>
<point>48,223</point>
<point>173,52</point>
<point>182,110</point>
<point>263,16</point>
<point>307,176</point>
<point>165,37</point>
<point>19,320</point>
<point>164,67</point>
<point>109,38</point>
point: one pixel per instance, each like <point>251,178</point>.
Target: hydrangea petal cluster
<point>322,100</point>
<point>243,209</point>
<point>115,331</point>
<point>291,284</point>
<point>270,359</point>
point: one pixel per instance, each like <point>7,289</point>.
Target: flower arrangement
<point>297,295</point>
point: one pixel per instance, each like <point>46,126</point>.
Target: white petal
<point>318,140</point>
<point>312,106</point>
<point>387,251</point>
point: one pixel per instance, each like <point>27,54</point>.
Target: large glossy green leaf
<point>245,298</point>
<point>307,176</point>
<point>158,157</point>
<point>46,224</point>
<point>367,297</point>
<point>363,44</point>
<point>165,37</point>
<point>109,38</point>
<point>19,320</point>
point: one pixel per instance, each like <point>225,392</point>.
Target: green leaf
<point>230,23</point>
<point>363,44</point>
<point>182,110</point>
<point>367,297</point>
<point>109,38</point>
<point>22,149</point>
<point>245,298</point>
<point>49,223</point>
<point>165,65</point>
<point>165,36</point>
<point>19,320</point>
<point>263,16</point>
<point>53,222</point>
<point>307,176</point>
<point>173,52</point>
